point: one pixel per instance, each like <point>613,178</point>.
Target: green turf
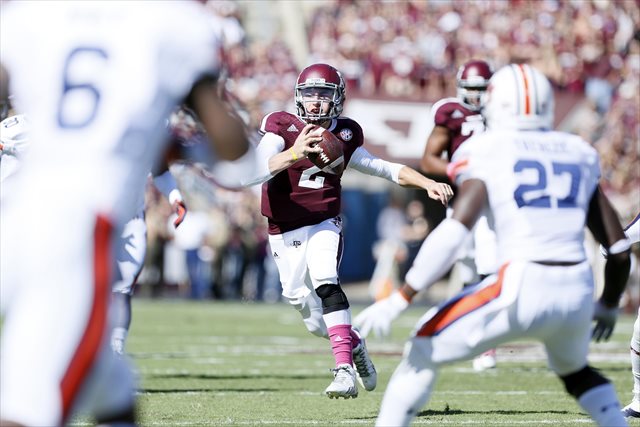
<point>255,364</point>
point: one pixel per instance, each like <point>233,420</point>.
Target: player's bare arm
<point>467,209</point>
<point>409,177</point>
<point>435,258</point>
<point>603,223</point>
<point>225,129</point>
<point>437,143</point>
<point>301,148</point>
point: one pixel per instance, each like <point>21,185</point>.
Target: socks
<point>340,337</point>
<point>601,402</point>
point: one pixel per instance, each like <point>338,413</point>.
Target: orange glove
<point>181,211</point>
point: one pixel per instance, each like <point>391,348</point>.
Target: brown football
<point>331,152</point>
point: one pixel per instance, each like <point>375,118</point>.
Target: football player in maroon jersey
<point>454,121</point>
<point>302,206</point>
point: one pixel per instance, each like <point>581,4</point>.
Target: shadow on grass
<point>205,390</point>
<point>432,412</point>
<point>234,377</point>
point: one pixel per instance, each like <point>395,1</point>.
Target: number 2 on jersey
<point>80,96</point>
<point>543,200</point>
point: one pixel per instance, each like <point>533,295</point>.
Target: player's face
<point>317,100</point>
<point>474,97</point>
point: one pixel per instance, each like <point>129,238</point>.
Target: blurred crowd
<point>410,50</point>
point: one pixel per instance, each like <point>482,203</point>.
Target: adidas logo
<point>275,255</point>
<point>339,339</point>
<point>457,114</point>
<point>292,128</point>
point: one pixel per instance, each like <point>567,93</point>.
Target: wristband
<point>398,301</point>
<point>619,247</point>
<point>293,154</point>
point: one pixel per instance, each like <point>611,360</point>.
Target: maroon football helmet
<point>472,82</point>
<point>323,83</point>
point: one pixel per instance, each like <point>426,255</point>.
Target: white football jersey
<point>539,184</point>
<point>100,87</point>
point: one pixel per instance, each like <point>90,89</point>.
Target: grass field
<point>255,364</point>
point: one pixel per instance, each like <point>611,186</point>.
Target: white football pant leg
<point>288,251</point>
<point>324,252</point>
<point>409,388</point>
<point>635,357</point>
<point>130,251</point>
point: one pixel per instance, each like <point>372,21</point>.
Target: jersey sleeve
<point>440,116</point>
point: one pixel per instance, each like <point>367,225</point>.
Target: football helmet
<point>472,81</point>
<point>323,83</point>
<point>519,97</point>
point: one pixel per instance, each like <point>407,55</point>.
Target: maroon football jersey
<point>303,194</point>
<point>460,120</point>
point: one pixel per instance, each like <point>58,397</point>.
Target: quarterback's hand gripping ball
<point>331,156</point>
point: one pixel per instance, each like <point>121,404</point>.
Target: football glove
<point>181,211</point>
<point>378,317</point>
<point>605,318</point>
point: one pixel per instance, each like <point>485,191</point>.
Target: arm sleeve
<point>270,145</point>
<point>367,163</point>
<point>633,230</point>
<point>437,254</point>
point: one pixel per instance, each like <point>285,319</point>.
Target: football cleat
<point>632,410</point>
<point>366,372</point>
<point>343,384</point>
<point>486,360</point>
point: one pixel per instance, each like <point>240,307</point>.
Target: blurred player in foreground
<point>540,188</point>
<point>97,81</point>
<point>302,205</point>
<point>632,231</point>
<point>130,247</point>
<point>454,121</point>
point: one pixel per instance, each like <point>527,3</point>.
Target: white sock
<point>603,406</point>
<point>408,391</point>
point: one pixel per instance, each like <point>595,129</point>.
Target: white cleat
<point>367,376</point>
<point>344,383</point>
<point>486,360</point>
<point>632,410</point>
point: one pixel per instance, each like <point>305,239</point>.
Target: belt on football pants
<point>558,263</point>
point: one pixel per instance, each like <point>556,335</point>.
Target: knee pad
<point>333,298</point>
<point>585,379</point>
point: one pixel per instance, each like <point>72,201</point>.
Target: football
<point>331,156</point>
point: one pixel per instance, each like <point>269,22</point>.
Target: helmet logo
<point>346,134</point>
<point>314,80</point>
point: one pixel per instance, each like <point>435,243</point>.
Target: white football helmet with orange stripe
<point>519,97</point>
